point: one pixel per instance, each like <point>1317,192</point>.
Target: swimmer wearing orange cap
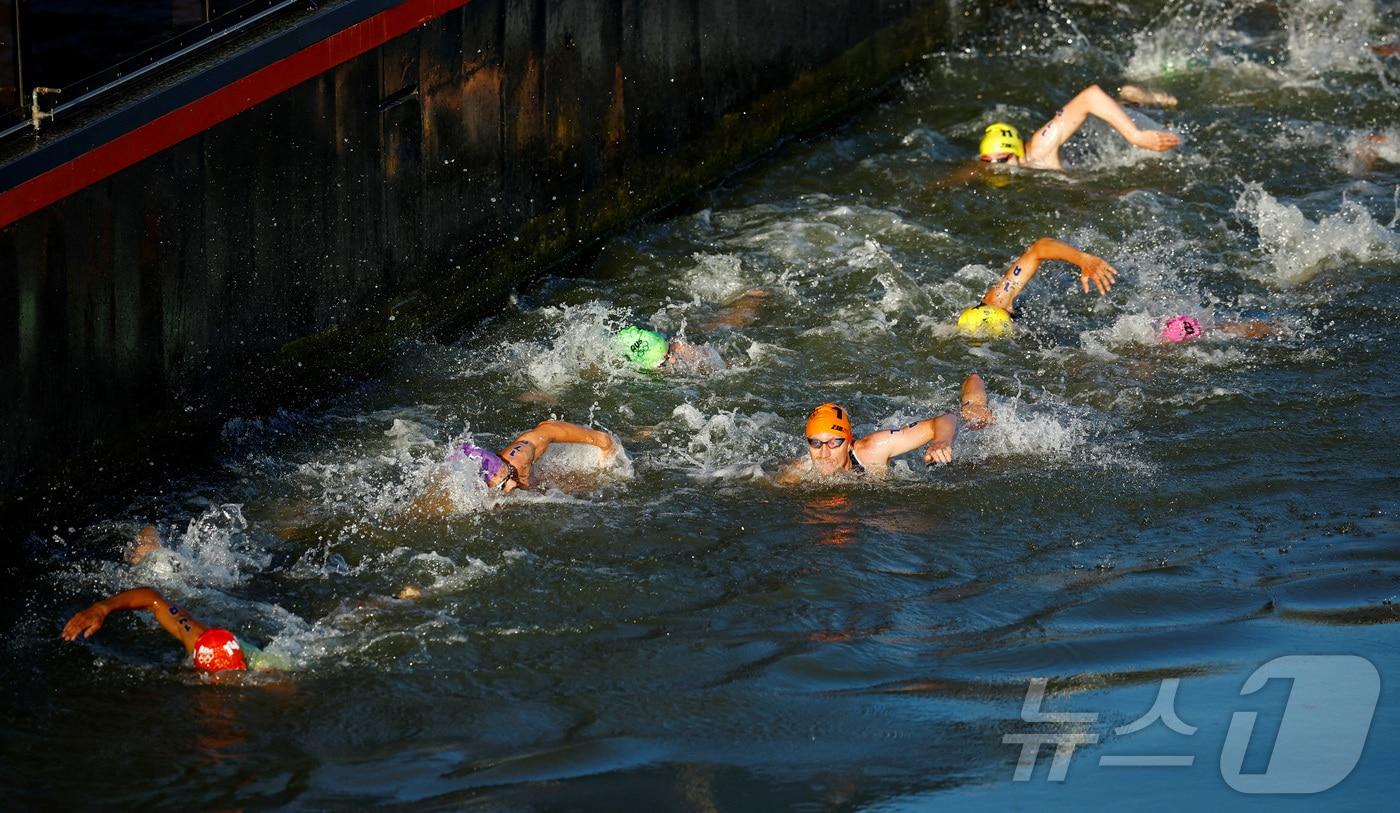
<point>832,446</point>
<point>993,316</point>
<point>210,649</point>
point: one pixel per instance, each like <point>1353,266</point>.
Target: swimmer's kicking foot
<point>832,447</point>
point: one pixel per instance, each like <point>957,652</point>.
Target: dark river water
<point>677,631</point>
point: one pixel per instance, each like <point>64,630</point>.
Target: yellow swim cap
<point>984,320</point>
<point>1001,139</point>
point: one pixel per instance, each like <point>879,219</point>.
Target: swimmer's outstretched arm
<point>1044,146</point>
<point>174,620</point>
<point>1249,330</point>
<point>1091,269</point>
<point>875,450</point>
<point>547,432</point>
<point>526,449</point>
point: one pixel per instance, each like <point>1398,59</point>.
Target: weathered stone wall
<point>262,259</point>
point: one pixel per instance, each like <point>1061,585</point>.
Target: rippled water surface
<point>677,631</point>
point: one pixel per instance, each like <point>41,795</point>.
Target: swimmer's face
<point>507,480</point>
<point>826,458</point>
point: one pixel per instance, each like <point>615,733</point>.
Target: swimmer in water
<point>994,316</point>
<point>650,350</point>
<point>211,649</point>
<point>1183,328</point>
<point>832,447</point>
<point>1001,143</point>
<point>511,469</point>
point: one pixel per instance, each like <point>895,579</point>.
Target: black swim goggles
<point>817,443</point>
<point>513,475</point>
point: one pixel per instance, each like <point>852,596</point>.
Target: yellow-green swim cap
<point>1001,139</point>
<point>981,321</point>
<point>644,348</point>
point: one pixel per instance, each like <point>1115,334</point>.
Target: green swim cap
<point>645,348</point>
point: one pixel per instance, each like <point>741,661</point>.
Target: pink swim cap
<point>1181,328</point>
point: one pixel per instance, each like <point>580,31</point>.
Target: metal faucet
<point>36,115</point>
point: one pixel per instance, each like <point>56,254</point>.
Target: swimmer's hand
<point>1099,272</point>
<point>939,451</point>
<point>977,415</point>
<point>85,623</point>
<point>1156,140</point>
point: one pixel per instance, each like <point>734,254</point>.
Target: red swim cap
<point>217,651</point>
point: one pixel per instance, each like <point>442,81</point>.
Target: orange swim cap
<point>830,418</point>
<point>217,650</point>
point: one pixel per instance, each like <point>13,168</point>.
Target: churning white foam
<point>215,549</point>
<point>727,445</point>
<point>1298,248</point>
<point>580,340</point>
<point>1330,35</point>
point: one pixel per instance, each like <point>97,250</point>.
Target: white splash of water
<point>1362,151</point>
<point>1328,35</point>
<point>1187,35</point>
<point>716,278</point>
<point>579,344</point>
<point>1126,329</point>
<point>215,549</point>
<point>726,445</point>
<point>1026,432</point>
<point>1298,248</point>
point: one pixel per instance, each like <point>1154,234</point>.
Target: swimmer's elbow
<point>1041,248</point>
<point>550,427</point>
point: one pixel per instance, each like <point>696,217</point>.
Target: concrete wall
<point>259,261</point>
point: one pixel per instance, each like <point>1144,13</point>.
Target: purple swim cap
<point>491,463</point>
<point>1181,328</point>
